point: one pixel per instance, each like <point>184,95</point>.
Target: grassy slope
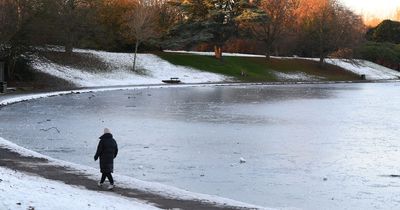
<point>258,69</point>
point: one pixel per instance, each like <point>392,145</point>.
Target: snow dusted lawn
<point>23,191</point>
<point>155,70</point>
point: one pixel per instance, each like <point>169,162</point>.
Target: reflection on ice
<point>306,146</point>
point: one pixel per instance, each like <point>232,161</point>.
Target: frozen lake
<point>306,146</point>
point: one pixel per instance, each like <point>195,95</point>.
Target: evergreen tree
<point>387,31</point>
<point>211,21</point>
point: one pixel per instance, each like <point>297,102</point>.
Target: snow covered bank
<point>371,70</point>
<point>41,190</point>
<point>23,191</point>
<point>155,69</point>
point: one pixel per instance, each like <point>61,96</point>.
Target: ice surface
<point>307,146</point>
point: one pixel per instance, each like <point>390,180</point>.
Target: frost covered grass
<point>253,68</point>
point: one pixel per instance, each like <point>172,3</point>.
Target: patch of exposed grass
<point>258,69</point>
<point>88,62</point>
<point>83,61</point>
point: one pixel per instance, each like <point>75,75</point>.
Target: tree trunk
<point>268,53</point>
<point>321,61</point>
<point>218,52</point>
<point>10,69</point>
<point>19,16</point>
<point>70,21</point>
<point>135,55</point>
<point>68,45</point>
<point>11,63</point>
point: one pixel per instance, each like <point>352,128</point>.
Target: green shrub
<point>374,51</point>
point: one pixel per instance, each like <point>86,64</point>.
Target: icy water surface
<point>305,146</point>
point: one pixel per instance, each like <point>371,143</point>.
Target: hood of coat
<point>106,136</point>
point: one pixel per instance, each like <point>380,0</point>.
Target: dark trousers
<point>109,176</point>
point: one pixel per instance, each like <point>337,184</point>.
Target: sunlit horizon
<point>373,8</point>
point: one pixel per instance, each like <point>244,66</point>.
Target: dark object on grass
<point>173,80</point>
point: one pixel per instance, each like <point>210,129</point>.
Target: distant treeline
<point>312,28</point>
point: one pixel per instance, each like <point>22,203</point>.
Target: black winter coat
<point>107,150</point>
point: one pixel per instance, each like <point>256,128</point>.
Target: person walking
<point>107,150</point>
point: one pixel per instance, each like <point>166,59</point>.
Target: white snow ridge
<point>22,191</point>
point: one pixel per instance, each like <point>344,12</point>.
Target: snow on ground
<point>297,76</point>
<point>18,187</point>
<point>156,69</point>
<point>371,70</point>
<point>22,191</point>
<point>212,53</point>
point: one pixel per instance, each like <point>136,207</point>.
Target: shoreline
<point>26,161</point>
<point>17,97</point>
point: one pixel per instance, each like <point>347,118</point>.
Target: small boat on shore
<point>172,80</point>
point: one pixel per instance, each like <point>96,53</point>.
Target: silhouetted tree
<point>278,17</point>
<point>386,31</point>
<point>330,27</point>
<point>211,21</point>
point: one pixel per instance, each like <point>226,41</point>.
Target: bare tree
<point>141,24</point>
<point>331,27</point>
<point>281,14</point>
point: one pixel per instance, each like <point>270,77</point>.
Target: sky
<point>378,8</point>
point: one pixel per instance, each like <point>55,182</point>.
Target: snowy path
<point>44,168</point>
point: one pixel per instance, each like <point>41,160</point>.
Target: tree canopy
<point>386,31</point>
